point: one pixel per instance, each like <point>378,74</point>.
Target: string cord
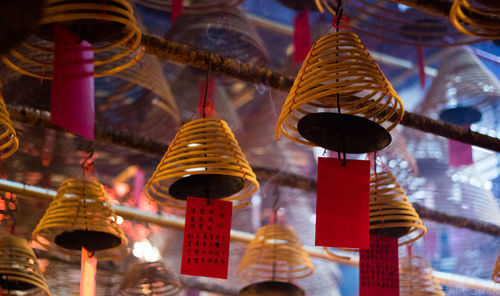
<point>338,15</point>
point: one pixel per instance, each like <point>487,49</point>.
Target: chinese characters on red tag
<point>205,250</point>
<point>379,267</point>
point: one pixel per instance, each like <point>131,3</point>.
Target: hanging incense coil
<point>150,278</point>
<point>463,15</point>
<point>19,20</point>
<point>115,48</point>
<point>390,213</point>
<point>463,92</point>
<point>389,21</point>
<point>194,6</point>
<point>226,32</point>
<point>8,138</point>
<point>203,160</point>
<point>496,271</point>
<point>19,270</point>
<point>275,254</point>
<point>81,216</point>
<point>338,63</point>
<point>416,279</point>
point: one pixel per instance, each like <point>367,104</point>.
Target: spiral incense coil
<point>416,279</point>
<point>8,138</point>
<point>81,216</point>
<point>150,278</point>
<point>385,20</point>
<point>338,63</point>
<point>203,160</point>
<point>193,6</point>
<point>115,48</point>
<point>496,271</point>
<point>226,32</point>
<point>275,254</point>
<point>390,212</point>
<point>19,270</point>
<point>487,10</point>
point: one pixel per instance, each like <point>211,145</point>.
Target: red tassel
<point>421,65</point>
<point>206,107</point>
<point>301,36</point>
<point>176,10</point>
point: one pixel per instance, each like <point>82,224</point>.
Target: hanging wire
<point>338,15</point>
<point>207,84</point>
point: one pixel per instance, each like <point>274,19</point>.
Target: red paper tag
<point>72,103</point>
<point>301,36</point>
<point>342,206</point>
<point>176,10</point>
<point>207,231</point>
<point>88,272</point>
<point>460,154</point>
<point>421,65</point>
<point>379,267</point>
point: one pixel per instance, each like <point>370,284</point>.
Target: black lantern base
<point>272,288</point>
<point>91,240</point>
<point>460,115</point>
<point>206,185</point>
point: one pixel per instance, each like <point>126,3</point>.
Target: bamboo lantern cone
<point>115,48</point>
<point>274,258</point>
<point>496,271</point>
<point>150,278</point>
<point>19,270</point>
<point>339,69</point>
<point>489,12</point>
<point>81,216</point>
<point>8,138</point>
<point>390,212</point>
<point>194,6</point>
<point>204,160</point>
<point>416,279</point>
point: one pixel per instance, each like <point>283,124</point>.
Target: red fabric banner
<point>205,251</point>
<point>72,102</point>
<point>342,205</point>
<point>379,267</point>
<point>301,36</point>
<point>176,10</point>
<point>87,275</point>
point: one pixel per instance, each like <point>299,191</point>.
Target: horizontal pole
<point>170,221</point>
<point>200,59</point>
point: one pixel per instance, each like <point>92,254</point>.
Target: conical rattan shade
<point>115,48</point>
<point>338,63</point>
<point>8,138</point>
<point>203,160</point>
<point>193,6</point>
<point>416,279</point>
<point>81,216</point>
<point>150,278</point>
<point>486,10</point>
<point>19,270</point>
<point>275,254</point>
<point>496,271</point>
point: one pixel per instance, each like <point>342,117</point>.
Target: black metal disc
<point>14,285</point>
<point>272,288</point>
<point>395,232</point>
<point>299,5</point>
<point>206,185</point>
<point>333,130</point>
<point>460,115</point>
<point>90,239</point>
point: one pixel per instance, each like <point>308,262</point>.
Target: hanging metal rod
<point>200,59</point>
<point>170,221</point>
